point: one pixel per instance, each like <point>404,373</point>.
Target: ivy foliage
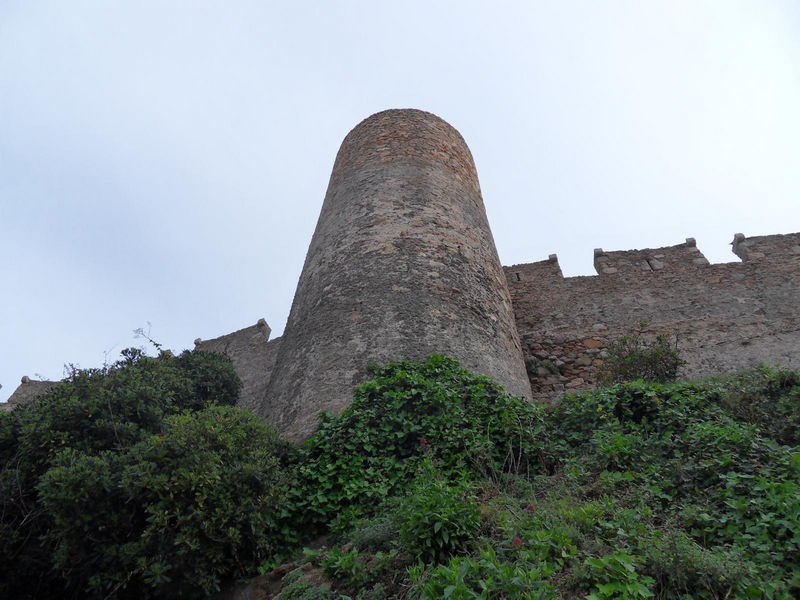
<point>409,411</point>
<point>638,490</point>
<point>136,480</point>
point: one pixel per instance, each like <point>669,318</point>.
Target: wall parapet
<point>725,316</point>
<point>772,251</point>
<point>770,248</point>
<point>682,257</point>
<point>27,391</point>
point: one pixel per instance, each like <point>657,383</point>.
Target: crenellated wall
<point>681,258</point>
<point>725,316</point>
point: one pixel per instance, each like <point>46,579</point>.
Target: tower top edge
<point>406,135</point>
<point>402,114</point>
<point>406,119</point>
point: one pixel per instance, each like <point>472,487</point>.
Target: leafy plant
<point>372,450</point>
<point>618,578</point>
<point>488,577</point>
<point>437,518</point>
<point>296,588</point>
<point>346,566</point>
<point>635,356</point>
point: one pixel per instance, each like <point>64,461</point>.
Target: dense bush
<point>765,397</point>
<point>136,480</point>
<point>704,458</point>
<point>372,450</point>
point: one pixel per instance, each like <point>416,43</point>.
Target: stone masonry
<point>723,316</point>
<point>402,264</point>
<point>253,356</point>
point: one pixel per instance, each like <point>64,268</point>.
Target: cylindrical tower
<point>402,264</point>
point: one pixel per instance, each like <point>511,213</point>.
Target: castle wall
<point>725,316</point>
<point>402,264</point>
<point>253,356</point>
<point>27,391</point>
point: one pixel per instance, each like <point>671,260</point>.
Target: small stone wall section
<point>253,357</point>
<point>27,391</point>
<point>723,316</point>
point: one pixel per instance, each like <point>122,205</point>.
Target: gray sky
<point>165,162</point>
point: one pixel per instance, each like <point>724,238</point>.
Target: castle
<point>402,264</point>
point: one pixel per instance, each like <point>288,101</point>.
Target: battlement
<point>767,247</point>
<point>253,356</point>
<point>539,271</point>
<point>725,316</point>
<point>28,390</point>
<point>682,257</point>
<point>773,253</point>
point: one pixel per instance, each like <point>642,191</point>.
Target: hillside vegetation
<point>434,483</point>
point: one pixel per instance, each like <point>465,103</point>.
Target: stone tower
<point>402,264</point>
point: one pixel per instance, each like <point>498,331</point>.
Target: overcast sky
<point>165,162</point>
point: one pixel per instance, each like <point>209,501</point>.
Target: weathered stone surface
<point>28,391</point>
<point>253,357</point>
<point>402,264</point>
<point>725,316</point>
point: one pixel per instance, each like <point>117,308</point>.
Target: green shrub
<point>681,568</point>
<point>616,577</point>
<point>296,588</point>
<point>124,482</point>
<point>355,571</point>
<point>346,566</point>
<point>373,450</point>
<point>633,356</point>
<point>437,518</point>
<point>378,532</point>
<point>695,455</point>
<point>180,511</point>
<point>765,397</point>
